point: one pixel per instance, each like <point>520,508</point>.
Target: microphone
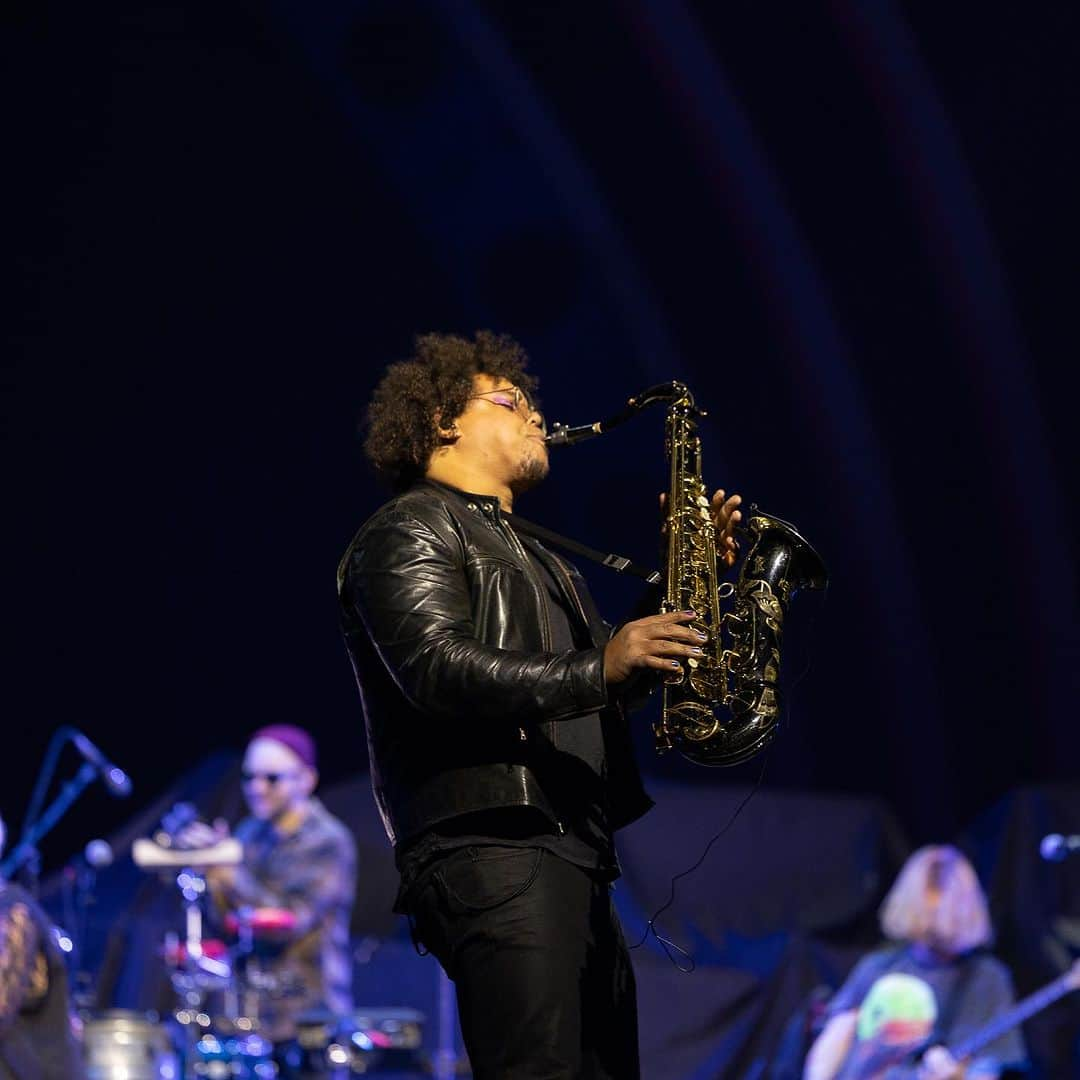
<point>1056,848</point>
<point>115,779</point>
<point>98,854</point>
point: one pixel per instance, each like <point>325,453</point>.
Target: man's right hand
<point>657,643</point>
<point>197,834</point>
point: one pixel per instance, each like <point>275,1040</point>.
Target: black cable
<point>650,926</point>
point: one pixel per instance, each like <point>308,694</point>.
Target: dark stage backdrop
<point>850,227</point>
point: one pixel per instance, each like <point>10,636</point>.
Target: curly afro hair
<point>435,382</point>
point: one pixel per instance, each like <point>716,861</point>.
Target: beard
<point>532,468</point>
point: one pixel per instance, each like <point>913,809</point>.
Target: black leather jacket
<point>447,629</point>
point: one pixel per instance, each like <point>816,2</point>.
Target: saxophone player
<point>494,699</point>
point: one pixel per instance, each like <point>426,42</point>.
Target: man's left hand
<point>726,516</point>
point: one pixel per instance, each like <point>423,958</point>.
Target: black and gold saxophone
<point>725,706</point>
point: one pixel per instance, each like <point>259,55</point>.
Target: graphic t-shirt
<point>904,997</point>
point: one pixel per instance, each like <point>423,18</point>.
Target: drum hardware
<point>78,883</point>
<point>200,969</point>
<point>343,1047</point>
<point>223,992</point>
<point>260,922</point>
<point>191,881</point>
<point>121,1044</point>
<point>217,1006</point>
<point>237,1056</point>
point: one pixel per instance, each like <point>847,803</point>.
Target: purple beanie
<point>293,737</point>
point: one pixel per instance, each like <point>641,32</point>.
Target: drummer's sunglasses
<point>270,777</point>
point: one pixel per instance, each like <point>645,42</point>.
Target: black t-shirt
<point>572,771</point>
<point>576,770</point>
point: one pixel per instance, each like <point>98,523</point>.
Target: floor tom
<point>121,1044</point>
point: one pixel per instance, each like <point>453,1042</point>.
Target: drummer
<point>35,1015</point>
<point>294,889</point>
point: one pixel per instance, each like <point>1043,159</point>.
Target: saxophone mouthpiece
<point>561,435</point>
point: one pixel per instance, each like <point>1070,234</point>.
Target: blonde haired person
<point>935,983</point>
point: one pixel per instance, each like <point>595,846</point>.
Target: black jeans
<point>544,983</point>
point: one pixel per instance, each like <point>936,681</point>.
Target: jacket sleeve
<point>408,586</point>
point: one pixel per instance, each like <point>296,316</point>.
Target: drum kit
<point>222,995</point>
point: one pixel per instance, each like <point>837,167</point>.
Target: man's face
<point>502,434</point>
<point>275,779</point>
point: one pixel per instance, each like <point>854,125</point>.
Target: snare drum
<point>120,1044</point>
<point>229,1054</point>
<point>331,1047</point>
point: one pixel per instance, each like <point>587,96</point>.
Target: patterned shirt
<point>312,873</point>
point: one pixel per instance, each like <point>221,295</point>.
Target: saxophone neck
<point>668,393</point>
<point>674,394</point>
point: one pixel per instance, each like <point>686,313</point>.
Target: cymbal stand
<point>193,1018</point>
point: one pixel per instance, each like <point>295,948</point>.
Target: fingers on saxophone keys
<point>657,662</point>
<point>673,652</point>
<point>692,635</point>
<point>671,622</point>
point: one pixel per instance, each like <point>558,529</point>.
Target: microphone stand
<point>26,853</point>
<point>48,766</point>
<point>78,882</point>
<point>45,774</point>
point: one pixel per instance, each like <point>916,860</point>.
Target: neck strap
<point>614,562</point>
